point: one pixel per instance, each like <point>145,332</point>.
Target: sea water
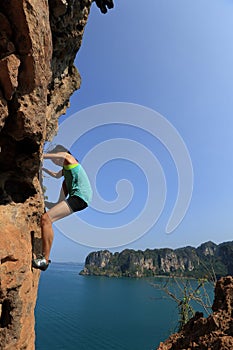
<point>77,312</point>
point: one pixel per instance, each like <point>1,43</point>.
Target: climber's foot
<point>40,263</point>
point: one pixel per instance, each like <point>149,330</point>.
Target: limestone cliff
<point>187,261</point>
<point>38,44</point>
<point>214,332</point>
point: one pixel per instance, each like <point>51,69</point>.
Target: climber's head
<point>59,149</point>
<point>58,161</point>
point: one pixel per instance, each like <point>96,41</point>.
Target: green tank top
<point>77,182</point>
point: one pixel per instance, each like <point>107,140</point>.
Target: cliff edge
<point>38,44</point>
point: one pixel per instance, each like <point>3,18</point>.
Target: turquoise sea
<point>76,312</point>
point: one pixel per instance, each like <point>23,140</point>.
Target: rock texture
<point>187,261</point>
<point>38,43</point>
<point>212,333</point>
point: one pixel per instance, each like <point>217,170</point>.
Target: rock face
<point>187,261</point>
<point>38,44</point>
<point>214,332</point>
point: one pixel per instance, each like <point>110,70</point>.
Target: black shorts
<point>76,203</point>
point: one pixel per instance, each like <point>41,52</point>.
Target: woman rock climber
<point>76,184</point>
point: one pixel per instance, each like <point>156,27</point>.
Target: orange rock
<point>37,77</point>
<point>214,332</point>
<point>9,75</point>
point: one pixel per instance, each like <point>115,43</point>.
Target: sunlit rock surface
<point>38,44</point>
<point>214,332</point>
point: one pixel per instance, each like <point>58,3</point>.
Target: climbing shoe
<point>40,263</point>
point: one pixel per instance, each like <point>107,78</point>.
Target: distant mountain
<point>182,262</point>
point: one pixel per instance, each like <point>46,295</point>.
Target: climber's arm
<point>59,155</point>
<point>53,173</point>
<point>60,158</point>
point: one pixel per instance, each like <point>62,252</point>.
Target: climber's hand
<point>104,5</point>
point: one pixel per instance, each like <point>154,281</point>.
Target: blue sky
<point>174,57</point>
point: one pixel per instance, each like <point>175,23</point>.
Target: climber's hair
<point>59,148</point>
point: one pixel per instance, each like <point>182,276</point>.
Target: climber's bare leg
<point>59,211</point>
<point>47,235</point>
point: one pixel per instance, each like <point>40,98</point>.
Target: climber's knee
<point>45,220</point>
